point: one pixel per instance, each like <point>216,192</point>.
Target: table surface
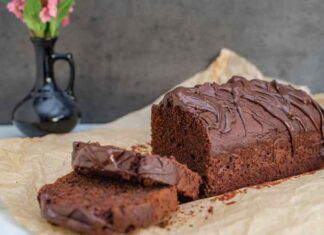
<point>10,131</point>
<point>7,223</point>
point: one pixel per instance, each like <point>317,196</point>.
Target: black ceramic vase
<point>47,108</point>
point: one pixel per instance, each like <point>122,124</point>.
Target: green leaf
<point>53,30</point>
<point>31,17</point>
<point>55,23</point>
<point>6,1</point>
<point>63,10</point>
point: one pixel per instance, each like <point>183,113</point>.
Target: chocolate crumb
<point>211,210</point>
<point>164,223</point>
<point>227,196</point>
<point>230,203</point>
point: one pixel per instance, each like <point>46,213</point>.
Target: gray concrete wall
<point>128,52</point>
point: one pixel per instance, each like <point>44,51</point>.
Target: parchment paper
<point>292,206</point>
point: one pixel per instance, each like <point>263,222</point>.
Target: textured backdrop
<point>128,52</point>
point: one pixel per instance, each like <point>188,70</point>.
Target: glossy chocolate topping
<point>245,109</point>
<point>126,164</point>
<point>91,158</point>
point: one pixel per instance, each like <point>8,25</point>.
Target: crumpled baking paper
<point>290,206</point>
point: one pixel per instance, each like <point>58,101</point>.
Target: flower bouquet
<point>43,17</point>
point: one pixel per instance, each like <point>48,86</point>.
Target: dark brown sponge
<point>147,169</point>
<point>99,206</point>
<point>240,133</point>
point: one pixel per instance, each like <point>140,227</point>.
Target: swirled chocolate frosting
<point>92,158</point>
<point>240,111</point>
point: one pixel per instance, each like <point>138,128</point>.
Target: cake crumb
<point>230,203</point>
<point>211,210</point>
<point>164,223</point>
<point>227,196</point>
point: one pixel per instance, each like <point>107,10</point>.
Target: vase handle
<point>68,58</point>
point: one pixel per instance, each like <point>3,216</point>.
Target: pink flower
<point>71,8</point>
<point>44,15</point>
<point>66,21</point>
<point>52,7</point>
<point>16,7</point>
<point>48,11</point>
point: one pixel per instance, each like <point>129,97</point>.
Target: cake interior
<point>267,160</point>
<point>94,204</point>
<point>177,133</point>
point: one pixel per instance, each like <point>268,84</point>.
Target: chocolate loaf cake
<point>240,133</point>
<point>99,206</point>
<point>91,158</point>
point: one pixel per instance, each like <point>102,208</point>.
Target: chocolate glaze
<point>229,108</point>
<point>91,158</point>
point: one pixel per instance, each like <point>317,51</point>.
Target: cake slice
<point>91,158</point>
<point>96,206</point>
<point>240,133</point>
